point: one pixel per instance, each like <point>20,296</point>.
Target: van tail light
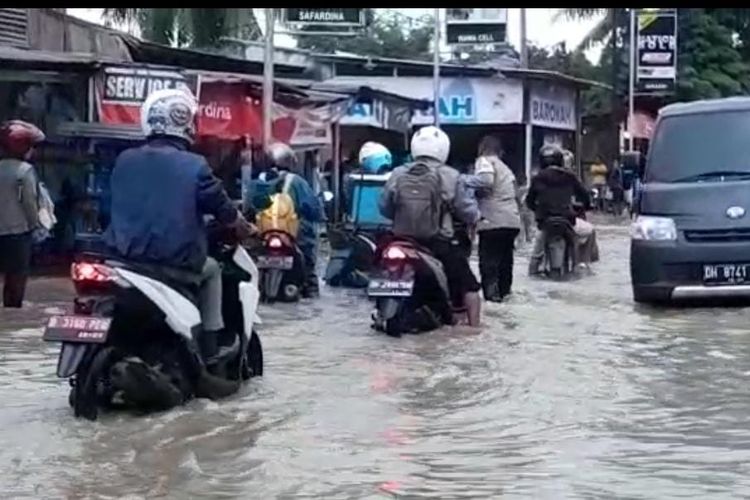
<point>88,272</point>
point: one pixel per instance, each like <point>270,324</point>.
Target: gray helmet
<point>282,156</point>
<point>551,155</point>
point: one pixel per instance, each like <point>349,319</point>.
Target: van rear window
<point>691,146</point>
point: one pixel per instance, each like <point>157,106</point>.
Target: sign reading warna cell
<point>552,107</point>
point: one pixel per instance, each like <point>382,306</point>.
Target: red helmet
<point>18,137</point>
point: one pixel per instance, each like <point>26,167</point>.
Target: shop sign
<point>552,107</point>
<point>476,26</point>
<point>379,114</point>
<point>656,69</point>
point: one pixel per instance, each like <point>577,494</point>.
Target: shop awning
<point>371,106</point>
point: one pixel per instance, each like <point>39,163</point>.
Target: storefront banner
<point>463,101</point>
<point>227,112</point>
<point>121,90</point>
<point>378,114</point>
<point>552,107</point>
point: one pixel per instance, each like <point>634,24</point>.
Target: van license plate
<point>726,274</point>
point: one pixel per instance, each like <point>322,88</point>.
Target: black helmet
<point>551,155</point>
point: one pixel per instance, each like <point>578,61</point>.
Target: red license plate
<point>84,329</point>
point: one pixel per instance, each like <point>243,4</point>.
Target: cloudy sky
<point>541,29</point>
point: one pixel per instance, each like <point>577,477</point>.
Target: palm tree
<point>599,33</point>
<point>188,27</point>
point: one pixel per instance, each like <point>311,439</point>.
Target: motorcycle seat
<point>185,282</point>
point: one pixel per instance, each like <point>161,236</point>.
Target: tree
<point>386,35</point>
<point>188,27</point>
<point>710,64</point>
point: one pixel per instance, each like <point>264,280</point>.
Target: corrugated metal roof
<point>100,131</point>
<point>14,24</point>
<point>43,56</point>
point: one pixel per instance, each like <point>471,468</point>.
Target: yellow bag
<point>281,215</point>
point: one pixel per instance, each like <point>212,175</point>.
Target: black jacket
<point>552,191</point>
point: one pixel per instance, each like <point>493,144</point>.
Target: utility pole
<point>436,69</point>
<point>631,82</point>
<point>524,46</point>
<point>268,80</point>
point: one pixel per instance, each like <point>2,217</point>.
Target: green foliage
<point>710,64</point>
<point>386,35</point>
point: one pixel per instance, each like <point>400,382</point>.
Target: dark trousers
<point>15,262</point>
<point>496,248</point>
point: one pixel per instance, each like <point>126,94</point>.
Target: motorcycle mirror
<point>327,196</point>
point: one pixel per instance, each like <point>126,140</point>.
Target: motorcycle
<point>559,247</point>
<point>352,257</point>
<point>131,342</point>
<point>410,290</point>
<point>282,267</point>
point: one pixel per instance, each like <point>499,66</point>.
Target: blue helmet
<point>373,157</point>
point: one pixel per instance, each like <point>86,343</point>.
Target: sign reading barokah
<point>338,17</point>
<point>475,26</point>
<point>656,68</point>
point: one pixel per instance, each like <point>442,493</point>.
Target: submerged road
<point>570,391</point>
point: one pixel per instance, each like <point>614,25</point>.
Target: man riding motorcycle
<point>283,162</point>
<point>160,194</point>
<point>430,147</point>
<point>550,195</point>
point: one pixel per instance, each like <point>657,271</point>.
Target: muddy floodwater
<point>570,391</point>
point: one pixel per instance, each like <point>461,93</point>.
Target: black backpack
<point>419,203</point>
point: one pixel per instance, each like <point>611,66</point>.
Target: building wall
<point>52,30</point>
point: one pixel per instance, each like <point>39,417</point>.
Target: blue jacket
<point>306,204</point>
<point>160,193</point>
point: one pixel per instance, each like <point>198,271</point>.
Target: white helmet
<point>373,156</point>
<point>170,112</point>
<point>432,143</point>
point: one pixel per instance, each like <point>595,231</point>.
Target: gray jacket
<point>462,206</point>
<point>19,212</point>
<point>499,198</point>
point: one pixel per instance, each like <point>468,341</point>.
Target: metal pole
<point>436,69</point>
<point>631,83</point>
<point>268,80</point>
<point>524,47</point>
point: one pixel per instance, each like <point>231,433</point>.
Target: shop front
<point>470,108</point>
<point>553,117</point>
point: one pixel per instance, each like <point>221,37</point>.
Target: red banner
<point>226,111</point>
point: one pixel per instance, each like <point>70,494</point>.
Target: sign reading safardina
<point>656,68</point>
<point>476,26</point>
<point>338,17</point>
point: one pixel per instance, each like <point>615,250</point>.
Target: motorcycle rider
<point>430,147</point>
<point>160,194</point>
<point>307,206</point>
<point>550,195</point>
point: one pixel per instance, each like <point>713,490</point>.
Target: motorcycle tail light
<point>275,242</point>
<point>88,272</point>
<point>395,253</point>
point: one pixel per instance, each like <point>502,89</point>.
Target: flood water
<point>570,391</point>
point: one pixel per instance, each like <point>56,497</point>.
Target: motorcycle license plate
<point>284,262</point>
<point>726,274</point>
<point>82,329</point>
<point>390,288</point>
